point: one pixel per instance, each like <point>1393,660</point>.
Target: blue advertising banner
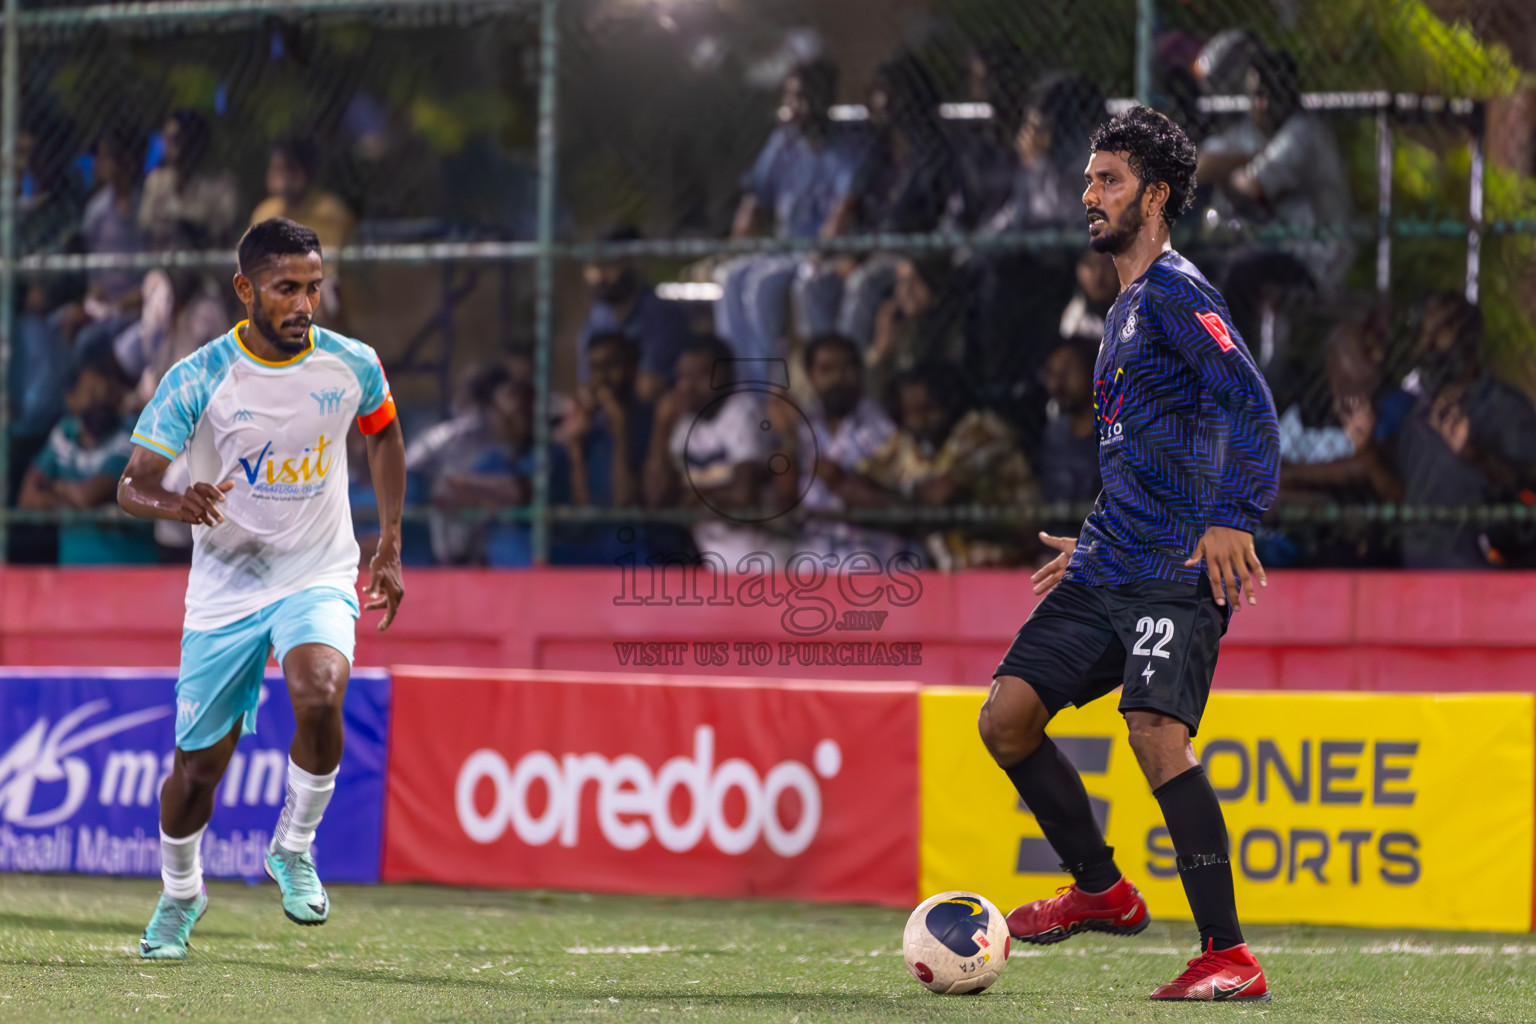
<point>83,753</point>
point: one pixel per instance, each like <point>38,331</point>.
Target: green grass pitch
<point>407,953</point>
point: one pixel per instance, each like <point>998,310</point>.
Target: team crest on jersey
<point>1129,327</point>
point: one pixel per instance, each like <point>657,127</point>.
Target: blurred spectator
<point>923,320</point>
<point>1052,148</point>
<point>183,309</point>
<point>293,191</point>
<point>800,179</point>
<point>1068,455</point>
<point>79,468</point>
<point>943,454</point>
<point>998,77</point>
<point>49,198</point>
<point>1298,179</point>
<point>415,539</point>
<point>1097,287</point>
<point>826,445</point>
<point>909,177</point>
<point>1352,459</point>
<point>111,224</point>
<point>447,452</point>
<point>502,477</point>
<point>624,301</point>
<point>600,461</point>
<point>185,190</point>
<point>1470,440</point>
<point>1020,296</point>
<point>708,447</point>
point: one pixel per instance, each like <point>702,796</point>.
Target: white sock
<point>307,797</point>
<point>181,864</point>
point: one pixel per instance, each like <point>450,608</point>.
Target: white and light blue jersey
<point>279,432</point>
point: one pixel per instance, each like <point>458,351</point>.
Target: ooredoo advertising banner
<point>1360,809</point>
<point>654,784</point>
<point>83,754</point>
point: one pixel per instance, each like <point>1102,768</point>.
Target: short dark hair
<point>1157,150</point>
<point>941,379</point>
<point>277,236</point>
<point>818,80</point>
<point>301,152</point>
<point>721,356</point>
<point>821,341</point>
<point>482,383</point>
<point>104,364</point>
<point>624,343</point>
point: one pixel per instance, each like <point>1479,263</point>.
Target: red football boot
<point>1230,974</point>
<point>1119,910</point>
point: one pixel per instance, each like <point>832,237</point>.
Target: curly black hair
<point>1157,149</point>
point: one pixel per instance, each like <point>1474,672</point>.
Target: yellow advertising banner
<point>1352,809</point>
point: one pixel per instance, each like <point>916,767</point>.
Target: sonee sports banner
<point>1368,809</point>
<point>654,784</point>
<point>83,754</point>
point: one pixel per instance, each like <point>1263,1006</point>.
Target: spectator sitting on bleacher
<point>803,175</point>
<point>943,454</point>
<point>998,77</point>
<point>1097,288</point>
<point>922,321</point>
<point>910,175</point>
<point>835,434</point>
<point>1068,454</point>
<point>182,310</point>
<point>79,469</point>
<point>111,226</point>
<point>185,190</point>
<point>1298,179</point>
<point>624,301</point>
<point>447,451</point>
<point>1470,440</point>
<point>708,447</point>
<point>293,191</point>
<point>1019,296</point>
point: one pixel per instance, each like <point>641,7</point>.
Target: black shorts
<point>1158,639</point>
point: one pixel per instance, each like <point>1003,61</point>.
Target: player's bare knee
<point>201,770</point>
<point>1009,732</point>
<point>1156,736</point>
<point>321,688</point>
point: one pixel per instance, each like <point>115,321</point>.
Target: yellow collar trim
<point>268,362</point>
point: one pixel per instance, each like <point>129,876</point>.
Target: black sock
<point>1053,791</point>
<point>1199,834</point>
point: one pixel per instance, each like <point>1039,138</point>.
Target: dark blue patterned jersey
<point>1188,437</point>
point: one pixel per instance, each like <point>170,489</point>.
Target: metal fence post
<point>1146,23</point>
<point>10,79</point>
<point>1384,154</point>
<point>544,283</point>
<point>1475,204</point>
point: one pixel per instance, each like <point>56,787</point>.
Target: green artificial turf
<point>68,952</point>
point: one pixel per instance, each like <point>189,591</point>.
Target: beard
<point>274,332</point>
<point>840,402</point>
<point>1118,235</point>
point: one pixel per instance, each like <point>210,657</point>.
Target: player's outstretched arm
<point>386,461</point>
<point>141,492</point>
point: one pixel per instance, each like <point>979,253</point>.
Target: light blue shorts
<point>219,682</point>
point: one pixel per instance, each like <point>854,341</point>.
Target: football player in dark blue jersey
<point>1189,451</point>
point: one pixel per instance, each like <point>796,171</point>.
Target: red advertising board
<point>633,783</point>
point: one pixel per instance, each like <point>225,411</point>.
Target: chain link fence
<point>503,187</point>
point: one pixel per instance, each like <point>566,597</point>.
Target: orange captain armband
<point>380,418</point>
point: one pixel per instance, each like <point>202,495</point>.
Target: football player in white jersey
<point>260,416</point>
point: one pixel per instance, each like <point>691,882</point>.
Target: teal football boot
<point>170,928</point>
<point>304,899</point>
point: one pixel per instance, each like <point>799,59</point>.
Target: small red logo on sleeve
<point>1217,328</point>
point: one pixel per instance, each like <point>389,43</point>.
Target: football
<point>956,943</point>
